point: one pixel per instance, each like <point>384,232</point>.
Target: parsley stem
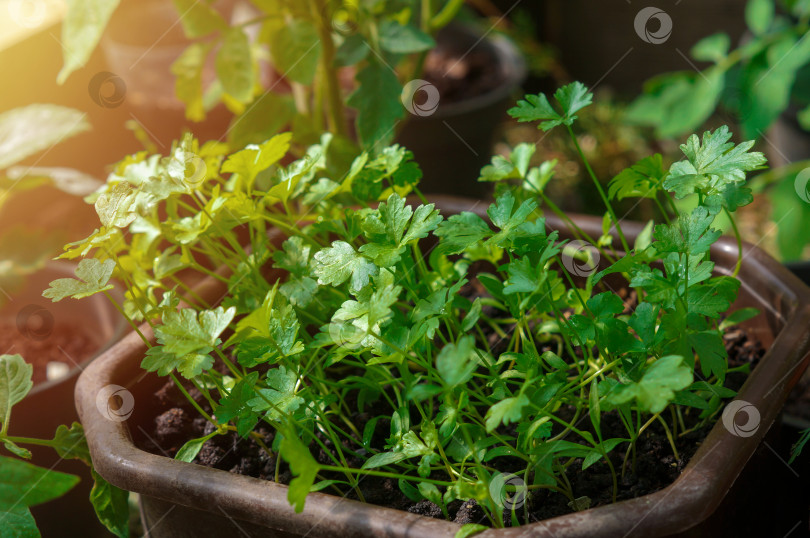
<point>600,190</point>
<point>739,242</point>
<point>191,400</point>
<point>28,441</point>
<point>129,320</point>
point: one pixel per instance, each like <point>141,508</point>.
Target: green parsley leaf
<point>339,263</point>
<point>657,386</point>
<point>92,276</point>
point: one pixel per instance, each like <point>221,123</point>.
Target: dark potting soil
<point>655,465</point>
<point>40,342</point>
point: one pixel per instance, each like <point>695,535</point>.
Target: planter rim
<point>692,497</point>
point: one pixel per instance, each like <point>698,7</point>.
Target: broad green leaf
<point>253,159</point>
<point>679,102</point>
<point>303,467</point>
<point>198,18</point>
<point>642,180</point>
<point>383,458</point>
<point>470,529</point>
<point>188,336</point>
<point>457,362</point>
<point>690,234</point>
<point>403,38</point>
<point>187,69</point>
<point>27,130</point>
<point>192,447</point>
<point>296,48</point>
<point>339,263</point>
<point>711,49</point>
<point>266,116</point>
<point>768,80</point>
<point>82,27</point>
<point>461,231</point>
<point>738,316</point>
<point>506,411</point>
<point>15,382</point>
<point>70,443</point>
<point>111,505</point>
<point>712,353</point>
<point>377,103</point>
<point>92,276</point>
<point>712,164</point>
<point>501,215</point>
<point>235,406</point>
<point>572,98</point>
<point>657,386</point>
<point>17,522</point>
<point>759,15</point>
<point>281,398</point>
<point>23,484</point>
<point>235,66</point>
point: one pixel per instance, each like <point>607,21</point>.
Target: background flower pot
<point>452,140</point>
<point>217,500</point>
<point>600,42</point>
<point>38,322</point>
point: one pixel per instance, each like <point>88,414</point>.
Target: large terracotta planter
<point>182,499</point>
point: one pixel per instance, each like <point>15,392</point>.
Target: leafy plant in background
<point>364,311</point>
<point>23,485</point>
<point>757,81</point>
<point>383,43</point>
<point>24,132</point>
<point>766,76</point>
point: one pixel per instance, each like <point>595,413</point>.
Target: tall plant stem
<point>600,190</point>
<point>335,113</point>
